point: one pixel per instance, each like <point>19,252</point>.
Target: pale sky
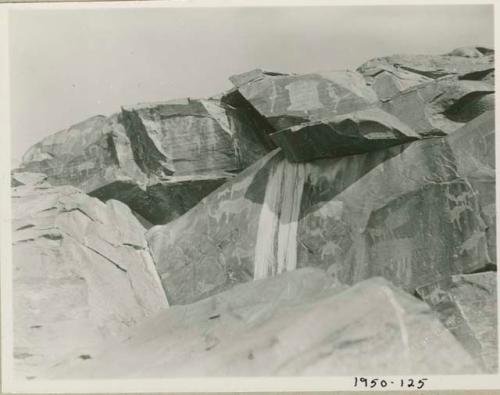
<point>68,65</point>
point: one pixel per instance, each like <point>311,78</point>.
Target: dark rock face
<point>190,146</point>
<point>257,329</point>
<point>357,217</point>
<point>349,134</point>
<point>162,202</point>
<point>466,304</point>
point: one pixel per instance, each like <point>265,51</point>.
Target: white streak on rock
<point>292,187</point>
<point>276,246</point>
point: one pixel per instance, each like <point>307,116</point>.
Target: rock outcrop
<point>259,329</point>
<point>82,274</point>
<point>354,133</point>
<point>292,223</point>
<point>187,148</point>
<point>467,63</point>
<point>431,95</point>
<point>286,100</point>
<point>359,216</point>
<point>434,94</point>
<point>467,305</point>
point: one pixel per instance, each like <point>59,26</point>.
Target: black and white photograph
<point>260,191</point>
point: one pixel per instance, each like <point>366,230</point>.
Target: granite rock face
<point>373,214</point>
<point>467,305</point>
<point>270,328</point>
<point>188,145</point>
<point>82,275</point>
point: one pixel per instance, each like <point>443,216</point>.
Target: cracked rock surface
<point>82,275</point>
<point>434,94</point>
<point>336,223</point>
<point>466,304</point>
<point>357,216</point>
<point>197,144</point>
<point>257,329</point>
<point>353,133</point>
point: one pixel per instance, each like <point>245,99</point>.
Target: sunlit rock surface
<point>297,324</point>
<point>131,155</point>
<point>287,100</point>
<point>467,305</point>
<point>468,63</point>
<point>411,213</point>
<point>354,133</point>
<point>440,107</point>
<point>434,94</point>
<point>82,275</point>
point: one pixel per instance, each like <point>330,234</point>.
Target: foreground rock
<point>467,305</point>
<point>185,148</point>
<point>82,275</point>
<point>349,134</point>
<point>411,213</point>
<point>270,328</point>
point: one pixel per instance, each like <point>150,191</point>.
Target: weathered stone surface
<point>287,100</point>
<point>412,213</point>
<point>441,106</point>
<point>474,149</point>
<point>467,305</point>
<point>149,147</point>
<point>265,244</point>
<point>434,94</point>
<point>461,62</point>
<point>271,328</point>
<point>349,134</point>
<point>23,178</point>
<point>82,275</point>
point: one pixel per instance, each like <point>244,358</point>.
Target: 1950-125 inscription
<point>375,382</point>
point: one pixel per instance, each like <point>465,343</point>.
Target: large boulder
<point>434,94</point>
<point>467,306</point>
<point>353,133</point>
<point>285,100</point>
<point>181,150</point>
<point>412,213</point>
<point>296,324</point>
<point>82,275</point>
